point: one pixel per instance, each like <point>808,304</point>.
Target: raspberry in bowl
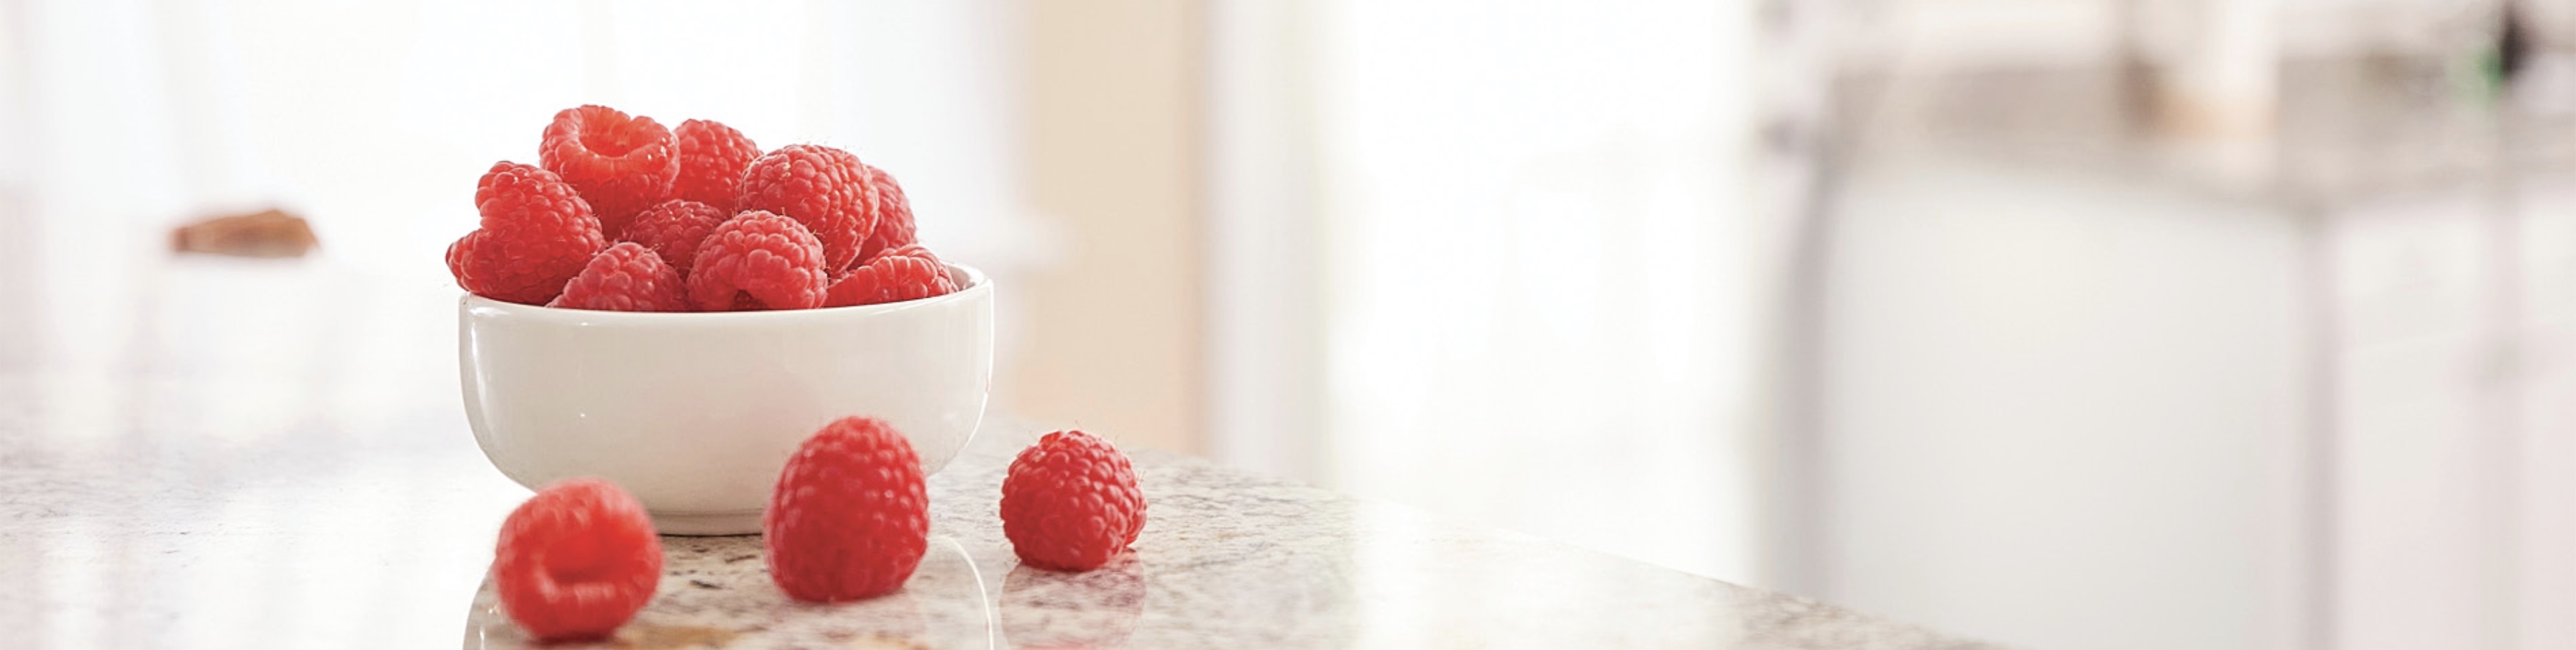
<point>696,412</point>
<point>675,311</point>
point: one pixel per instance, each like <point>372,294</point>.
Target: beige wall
<point>1113,326</point>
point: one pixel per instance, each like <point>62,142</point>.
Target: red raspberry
<point>674,228</point>
<point>626,277</point>
<point>908,273</point>
<point>824,188</point>
<point>712,156</point>
<point>758,261</point>
<point>906,250</point>
<point>1070,503</point>
<point>536,234</point>
<point>621,164</point>
<point>577,560</point>
<point>849,519</point>
<point>894,217</point>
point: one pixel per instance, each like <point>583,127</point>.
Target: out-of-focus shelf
<point>2347,129</point>
<point>2352,129</point>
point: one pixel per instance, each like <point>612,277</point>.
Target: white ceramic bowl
<point>695,413</point>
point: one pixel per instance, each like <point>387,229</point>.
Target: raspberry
<point>577,560</point>
<point>755,261</point>
<point>536,234</point>
<point>824,188</point>
<point>907,250</point>
<point>621,164</point>
<point>908,273</point>
<point>849,519</point>
<point>712,156</point>
<point>894,216</point>
<point>1070,503</point>
<point>674,228</point>
<point>626,277</point>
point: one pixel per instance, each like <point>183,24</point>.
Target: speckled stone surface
<point>1228,560</point>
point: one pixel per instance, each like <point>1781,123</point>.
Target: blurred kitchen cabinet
<point>2453,506</point>
<point>2061,409</point>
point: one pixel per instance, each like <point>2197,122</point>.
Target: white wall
<point>1525,230</point>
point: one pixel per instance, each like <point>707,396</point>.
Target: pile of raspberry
<point>622,214</point>
<point>848,520</point>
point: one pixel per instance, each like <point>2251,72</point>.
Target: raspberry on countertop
<point>1070,502</point>
<point>577,560</point>
<point>850,518</point>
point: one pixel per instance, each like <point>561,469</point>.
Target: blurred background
<point>2062,323</point>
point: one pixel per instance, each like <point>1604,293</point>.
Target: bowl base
<point>707,524</point>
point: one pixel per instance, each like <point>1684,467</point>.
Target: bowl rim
<point>977,286</point>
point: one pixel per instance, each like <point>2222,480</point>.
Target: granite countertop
<point>149,550</point>
<point>1228,560</point>
<point>177,471</point>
